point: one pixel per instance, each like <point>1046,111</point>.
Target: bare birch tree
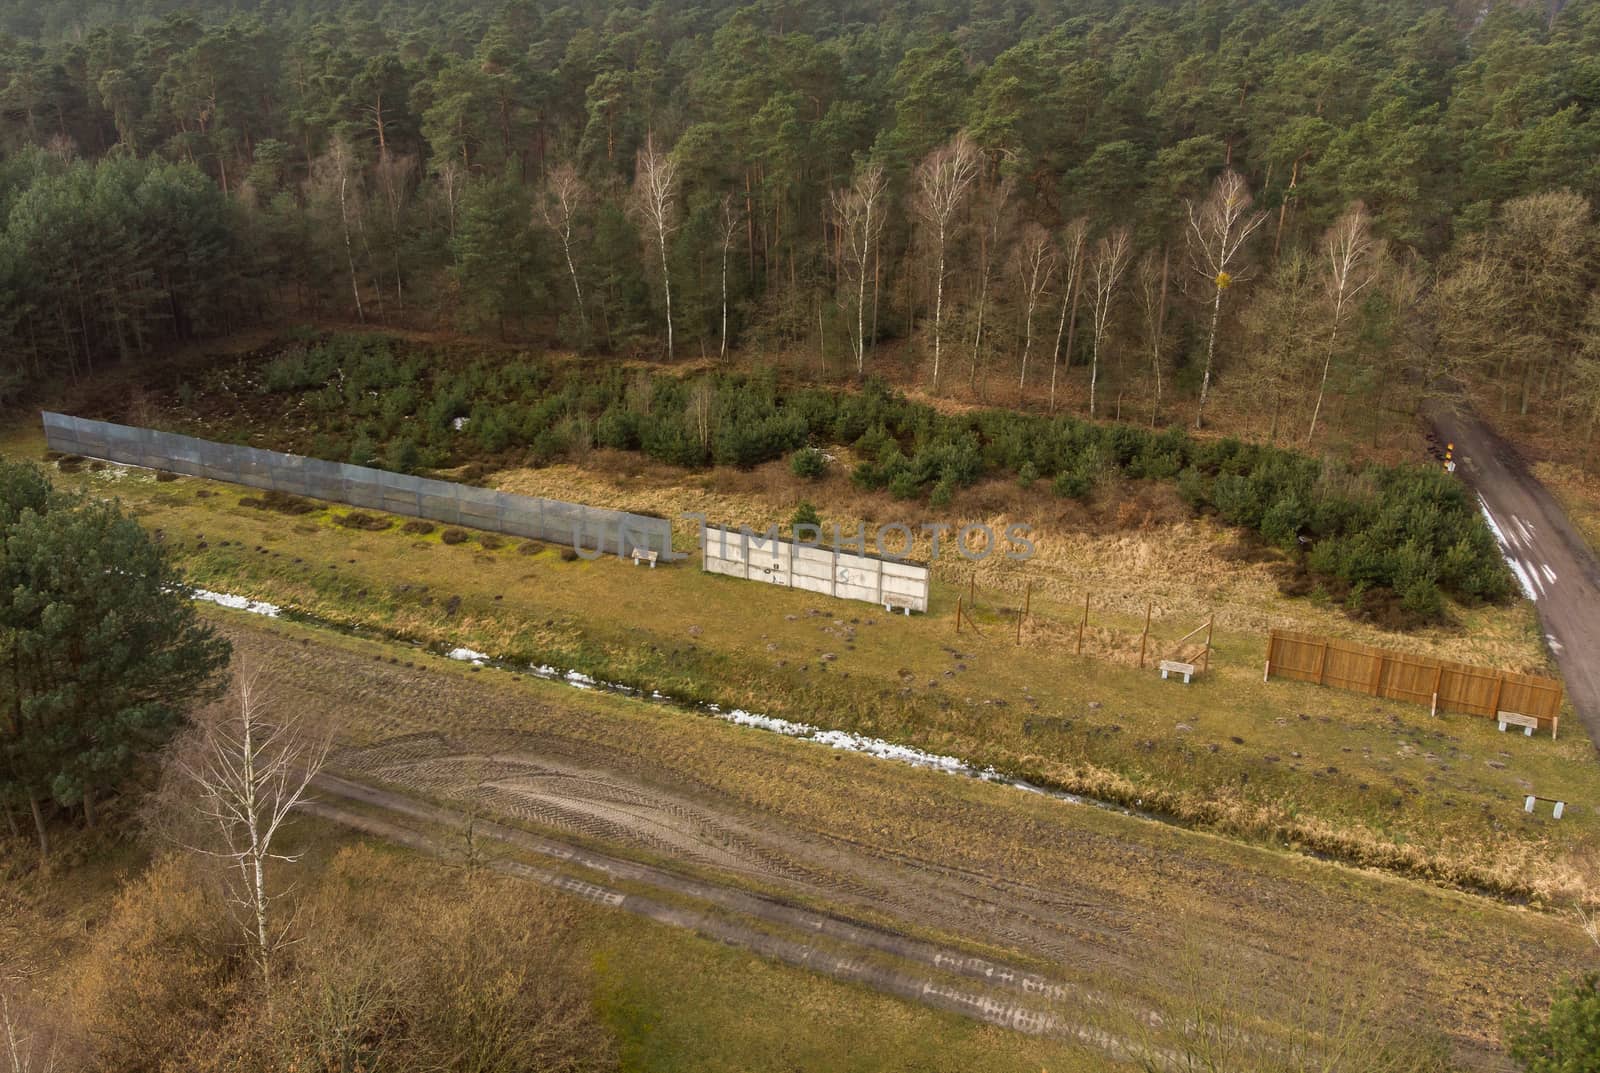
<point>1218,231</point>
<point>729,219</point>
<point>656,199</point>
<point>393,172</point>
<point>858,214</point>
<point>27,1048</point>
<point>252,771</point>
<point>1276,331</point>
<point>1150,290</point>
<point>942,181</point>
<point>565,194</point>
<point>1352,261</point>
<point>1072,243</point>
<point>701,411</point>
<point>1035,263</point>
<point>332,173</point>
<point>1110,260</point>
<point>995,212</point>
<point>451,179</point>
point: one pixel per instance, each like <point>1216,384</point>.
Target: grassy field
<point>1578,491</point>
<point>744,1013</point>
<point>1143,896</point>
<point>1371,782</point>
<point>1139,891</point>
<point>1264,923</point>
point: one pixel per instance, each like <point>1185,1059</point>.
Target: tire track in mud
<point>598,805</point>
<point>848,966</point>
<point>1118,910</point>
<point>749,904</point>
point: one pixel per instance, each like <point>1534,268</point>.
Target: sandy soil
<point>1101,903</point>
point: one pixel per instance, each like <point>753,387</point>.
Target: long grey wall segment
<point>828,571</point>
<point>613,531</point>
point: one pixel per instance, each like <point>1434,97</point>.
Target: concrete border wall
<point>829,571</point>
<point>613,531</point>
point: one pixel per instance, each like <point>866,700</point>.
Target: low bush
<point>367,523</point>
<point>1567,1038</point>
<point>281,502</point>
<point>1409,532</point>
<point>455,536</point>
<point>394,965</point>
<point>417,527</point>
<point>808,462</point>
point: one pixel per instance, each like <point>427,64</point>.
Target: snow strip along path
<point>833,739</point>
<point>1554,566</point>
<point>237,603</point>
<point>1531,578</point>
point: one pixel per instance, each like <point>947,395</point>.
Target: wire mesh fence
<point>595,528</point>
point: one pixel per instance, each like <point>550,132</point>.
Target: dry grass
<point>1579,493</point>
<point>1139,892</point>
<point>1136,547</point>
<point>1338,773</point>
<point>138,971</point>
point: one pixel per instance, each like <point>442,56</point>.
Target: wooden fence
<point>1437,683</point>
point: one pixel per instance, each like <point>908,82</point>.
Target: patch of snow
<point>1524,581</point>
<point>237,603</point>
<point>459,423</point>
<point>1494,526</point>
<point>467,655</point>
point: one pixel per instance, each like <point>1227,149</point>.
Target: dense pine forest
<point>1300,213</point>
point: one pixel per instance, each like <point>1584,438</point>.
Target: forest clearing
<point>1082,536</point>
<point>1371,782</point>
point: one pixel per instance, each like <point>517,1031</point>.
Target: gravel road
<point>1547,553</point>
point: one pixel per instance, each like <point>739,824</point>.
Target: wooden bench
<point>1172,666</point>
<point>645,555</point>
<point>1555,813</point>
<point>893,603</point>
<point>1528,723</point>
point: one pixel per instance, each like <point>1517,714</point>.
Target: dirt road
<point>1092,915</point>
<point>880,958</point>
<point>1552,563</point>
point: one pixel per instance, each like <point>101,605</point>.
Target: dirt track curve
<point>1553,563</point>
<point>880,958</point>
<point>985,900</point>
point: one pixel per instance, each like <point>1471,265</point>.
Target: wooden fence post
<point>1212,621</point>
<point>1499,688</point>
<point>1027,605</point>
<point>1322,663</point>
<point>1083,623</point>
<point>1144,638</point>
<point>1438,677</point>
<point>958,616</point>
<point>1377,675</point>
